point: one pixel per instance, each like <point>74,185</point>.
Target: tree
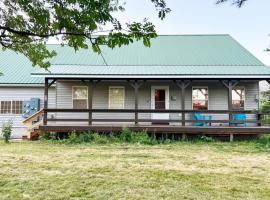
<point>26,26</point>
<point>239,3</point>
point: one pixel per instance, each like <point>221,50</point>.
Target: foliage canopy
<point>26,26</point>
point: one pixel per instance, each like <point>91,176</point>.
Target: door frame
<point>161,116</point>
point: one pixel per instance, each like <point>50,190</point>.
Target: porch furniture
<point>239,118</point>
<point>200,117</point>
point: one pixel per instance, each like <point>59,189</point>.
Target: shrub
<point>7,130</point>
<point>45,135</point>
<point>100,139</point>
<point>125,135</point>
<point>204,138</point>
<point>136,137</point>
<point>264,141</point>
<point>75,138</point>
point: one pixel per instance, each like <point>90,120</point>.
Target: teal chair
<point>198,116</point>
<point>240,117</point>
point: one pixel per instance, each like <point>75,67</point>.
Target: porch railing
<point>257,119</point>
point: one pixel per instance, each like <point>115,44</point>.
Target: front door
<point>160,101</point>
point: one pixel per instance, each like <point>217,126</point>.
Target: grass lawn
<point>42,170</point>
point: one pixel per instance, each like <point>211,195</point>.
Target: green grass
<point>184,170</point>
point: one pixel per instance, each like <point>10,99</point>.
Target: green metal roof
<point>174,55</point>
<point>16,69</point>
<point>165,50</point>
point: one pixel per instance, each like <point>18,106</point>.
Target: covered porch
<point>157,118</point>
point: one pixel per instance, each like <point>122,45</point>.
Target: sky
<point>249,25</point>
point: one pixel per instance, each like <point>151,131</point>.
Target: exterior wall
<point>218,98</point>
<point>23,94</point>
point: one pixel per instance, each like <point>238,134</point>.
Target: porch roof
<point>215,71</point>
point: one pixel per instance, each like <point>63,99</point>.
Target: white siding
<point>218,98</point>
<point>23,94</point>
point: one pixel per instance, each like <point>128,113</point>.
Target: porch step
<point>34,135</point>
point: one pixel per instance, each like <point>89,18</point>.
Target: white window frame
<point>124,94</point>
<point>244,93</point>
<point>79,99</point>
<point>11,108</point>
<point>200,87</point>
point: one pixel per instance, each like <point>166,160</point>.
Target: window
<point>11,107</point>
<point>116,97</point>
<point>80,97</point>
<point>17,107</point>
<point>238,98</point>
<point>5,107</point>
<point>200,98</point>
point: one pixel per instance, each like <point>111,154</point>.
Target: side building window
<point>116,97</point>
<point>238,98</point>
<point>200,98</point>
<point>80,97</point>
<point>11,107</point>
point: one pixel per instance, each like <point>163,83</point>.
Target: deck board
<point>159,129</point>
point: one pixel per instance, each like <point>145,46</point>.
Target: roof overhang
<point>166,72</point>
<point>160,77</point>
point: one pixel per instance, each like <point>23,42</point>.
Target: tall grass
<point>125,136</point>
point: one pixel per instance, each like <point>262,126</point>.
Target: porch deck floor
<point>215,130</point>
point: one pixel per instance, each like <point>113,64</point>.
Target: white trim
<point>151,76</point>
<point>244,87</point>
<point>124,96</point>
<point>200,87</point>
<point>167,102</point>
<point>79,86</point>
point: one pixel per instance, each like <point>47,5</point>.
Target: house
<point>16,87</point>
<point>183,84</point>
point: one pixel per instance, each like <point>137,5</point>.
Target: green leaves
<point>26,26</point>
<point>239,3</point>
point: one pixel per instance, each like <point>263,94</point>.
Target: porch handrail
<point>33,122</point>
<point>154,111</point>
<point>230,121</point>
<point>34,116</point>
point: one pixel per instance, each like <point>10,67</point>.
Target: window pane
<point>200,98</point>
<point>17,107</point>
<point>200,105</point>
<point>79,104</point>
<point>238,98</point>
<point>116,98</point>
<point>80,92</point>
<point>160,99</point>
<point>6,107</point>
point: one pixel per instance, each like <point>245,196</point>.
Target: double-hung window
<point>80,97</point>
<point>116,97</point>
<point>238,98</point>
<point>11,107</point>
<point>200,98</point>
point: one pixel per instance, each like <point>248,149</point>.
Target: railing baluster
<point>258,121</point>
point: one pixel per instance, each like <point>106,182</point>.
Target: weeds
<point>7,130</point>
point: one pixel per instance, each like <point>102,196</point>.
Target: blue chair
<point>198,116</point>
<point>240,117</point>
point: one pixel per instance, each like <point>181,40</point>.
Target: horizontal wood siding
<point>218,98</point>
<point>23,94</point>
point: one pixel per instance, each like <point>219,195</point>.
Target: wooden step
<point>34,135</point>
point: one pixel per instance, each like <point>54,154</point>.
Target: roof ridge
<point>182,35</point>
